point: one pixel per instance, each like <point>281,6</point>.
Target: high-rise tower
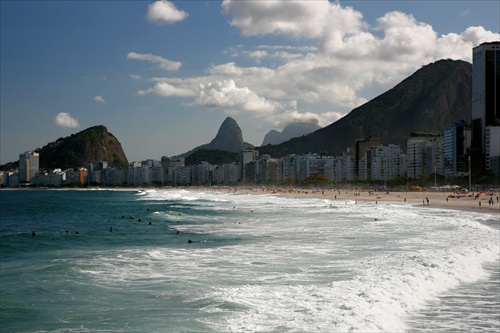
<point>29,165</point>
<point>485,90</point>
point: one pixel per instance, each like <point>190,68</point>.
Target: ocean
<point>203,261</point>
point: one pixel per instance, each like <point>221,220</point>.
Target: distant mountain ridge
<point>94,144</point>
<point>293,130</point>
<point>432,99</point>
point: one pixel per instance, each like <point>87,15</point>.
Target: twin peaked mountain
<point>432,99</point>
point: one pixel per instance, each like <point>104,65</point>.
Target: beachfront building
<point>94,171</point>
<point>309,165</point>
<point>456,143</point>
<point>492,152</point>
<point>29,165</point>
<point>267,169</point>
<point>361,146</point>
<point>385,162</point>
<point>114,176</point>
<point>485,91</point>
<point>424,155</point>
<point>137,175</point>
<point>226,174</point>
<point>202,173</point>
<point>246,157</point>
<point>286,168</point>
<point>183,175</point>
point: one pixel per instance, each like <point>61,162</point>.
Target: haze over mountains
<point>293,130</point>
<point>430,100</point>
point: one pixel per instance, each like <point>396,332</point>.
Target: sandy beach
<point>451,200</point>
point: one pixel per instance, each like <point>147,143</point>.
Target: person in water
<point>33,233</point>
<point>190,241</point>
<point>110,229</point>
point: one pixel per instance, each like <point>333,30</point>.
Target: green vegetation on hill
<point>95,144</point>
<point>212,156</point>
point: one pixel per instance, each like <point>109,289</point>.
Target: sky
<point>163,75</point>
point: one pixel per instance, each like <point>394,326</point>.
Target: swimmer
<point>33,233</point>
<point>149,222</point>
<point>66,232</point>
<point>110,229</point>
<point>77,233</point>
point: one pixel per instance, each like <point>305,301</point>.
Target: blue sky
<point>162,76</point>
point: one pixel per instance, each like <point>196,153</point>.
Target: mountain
<point>95,144</point>
<point>432,99</point>
<point>293,130</point>
<point>228,138</point>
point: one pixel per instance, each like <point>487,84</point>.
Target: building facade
<point>456,142</point>
<point>485,91</point>
<point>424,155</point>
<point>29,165</point>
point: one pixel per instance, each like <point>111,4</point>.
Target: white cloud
<point>100,99</point>
<point>322,119</point>
<point>166,89</point>
<point>165,64</point>
<point>63,119</point>
<point>349,56</point>
<point>165,12</point>
<point>465,13</point>
<point>226,95</point>
<point>338,61</point>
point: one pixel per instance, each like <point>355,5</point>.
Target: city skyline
<point>162,76</point>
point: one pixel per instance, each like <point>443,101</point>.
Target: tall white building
<point>29,165</point>
<point>386,162</point>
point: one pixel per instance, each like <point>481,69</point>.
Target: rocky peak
<point>229,137</point>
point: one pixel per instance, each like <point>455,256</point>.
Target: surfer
<point>33,233</point>
<point>190,241</point>
<point>110,229</point>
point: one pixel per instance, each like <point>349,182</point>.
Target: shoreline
<point>446,200</point>
<point>435,199</point>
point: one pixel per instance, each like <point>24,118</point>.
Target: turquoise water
<point>255,263</point>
